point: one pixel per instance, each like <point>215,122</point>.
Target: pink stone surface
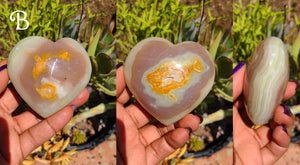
<point>153,54</point>
<point>266,79</point>
<point>64,67</point>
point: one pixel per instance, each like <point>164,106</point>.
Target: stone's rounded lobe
<point>266,79</point>
<point>48,75</point>
<point>168,80</point>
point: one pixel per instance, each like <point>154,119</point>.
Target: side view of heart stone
<point>48,75</point>
<point>169,80</point>
<point>266,80</point>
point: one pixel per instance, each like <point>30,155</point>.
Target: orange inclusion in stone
<point>47,91</point>
<point>40,65</point>
<point>172,75</point>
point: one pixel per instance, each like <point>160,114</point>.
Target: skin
<point>23,133</point>
<point>139,142</point>
<point>266,144</point>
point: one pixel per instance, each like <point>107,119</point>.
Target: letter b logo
<point>12,18</point>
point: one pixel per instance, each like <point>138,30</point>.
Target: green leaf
<point>224,65</point>
<point>229,42</point>
<point>109,50</point>
<point>100,47</point>
<point>296,47</point>
<point>221,50</point>
<point>93,44</point>
<point>297,20</point>
<point>96,27</point>
<point>214,45</point>
<point>293,68</point>
<point>107,85</point>
<point>105,63</point>
<point>217,29</point>
<point>108,39</point>
<point>94,65</point>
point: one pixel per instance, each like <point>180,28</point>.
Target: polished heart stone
<point>48,75</point>
<point>266,79</point>
<point>168,80</point>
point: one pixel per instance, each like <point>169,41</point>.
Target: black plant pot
<point>218,143</point>
<point>109,120</point>
<point>296,137</point>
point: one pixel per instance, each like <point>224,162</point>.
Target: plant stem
<point>85,115</point>
<point>216,116</point>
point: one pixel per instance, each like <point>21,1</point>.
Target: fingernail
<point>238,67</point>
<point>200,117</point>
<point>3,67</point>
<point>73,107</point>
<point>287,110</point>
<point>89,88</point>
<point>295,81</point>
<point>190,130</point>
<point>119,65</point>
<point>284,128</point>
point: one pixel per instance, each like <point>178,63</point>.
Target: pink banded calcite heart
<point>168,80</point>
<point>48,75</point>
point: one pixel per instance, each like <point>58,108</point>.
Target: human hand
<point>23,133</point>
<point>139,142</point>
<point>266,144</point>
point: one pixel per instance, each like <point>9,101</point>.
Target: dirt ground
<point>98,6</point>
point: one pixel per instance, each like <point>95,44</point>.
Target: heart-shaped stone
<point>168,80</point>
<point>48,75</point>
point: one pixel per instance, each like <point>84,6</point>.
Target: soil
<point>98,6</point>
<point>220,8</point>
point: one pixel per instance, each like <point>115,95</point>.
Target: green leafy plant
<point>195,144</point>
<point>44,19</point>
<point>151,18</point>
<point>78,137</point>
<point>252,25</point>
<point>99,42</point>
<point>102,52</point>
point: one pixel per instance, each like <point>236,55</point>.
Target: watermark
<point>12,18</point>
